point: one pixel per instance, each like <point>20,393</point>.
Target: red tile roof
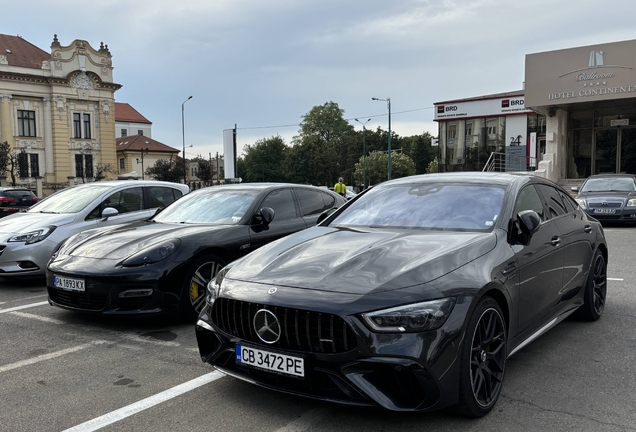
<point>20,52</point>
<point>138,142</point>
<point>125,113</point>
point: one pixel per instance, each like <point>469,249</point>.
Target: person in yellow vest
<point>340,188</point>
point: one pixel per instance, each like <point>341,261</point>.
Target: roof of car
<point>264,186</point>
<point>136,182</point>
<point>612,175</point>
<point>499,178</point>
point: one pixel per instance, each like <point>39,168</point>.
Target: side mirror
<point>324,215</point>
<point>266,215</point>
<point>529,221</point>
<point>574,189</point>
<point>109,212</point>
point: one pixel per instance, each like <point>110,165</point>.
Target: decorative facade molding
<point>5,96</point>
<point>59,104</point>
<point>28,144</point>
<point>83,81</point>
<point>106,109</point>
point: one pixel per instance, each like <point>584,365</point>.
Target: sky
<point>263,64</point>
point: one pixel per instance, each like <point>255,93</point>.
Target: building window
<point>26,123</point>
<point>28,165</point>
<point>83,166</point>
<point>124,132</point>
<point>140,132</point>
<point>122,163</point>
<point>87,125</point>
<point>34,165</point>
<point>77,126</point>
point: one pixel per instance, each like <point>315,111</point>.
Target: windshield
<point>428,205</point>
<point>70,200</point>
<point>221,207</point>
<point>606,184</point>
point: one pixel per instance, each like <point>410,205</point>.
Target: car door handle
<point>588,229</point>
<point>555,241</point>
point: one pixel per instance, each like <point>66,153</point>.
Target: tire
<point>194,290</point>
<point>482,360</point>
<point>595,289</point>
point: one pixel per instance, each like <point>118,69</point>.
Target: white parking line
<point>38,317</point>
<point>127,411</point>
<point>49,356</point>
<point>23,307</point>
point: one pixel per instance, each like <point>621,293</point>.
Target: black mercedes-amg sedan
<point>410,297</point>
<point>164,264</point>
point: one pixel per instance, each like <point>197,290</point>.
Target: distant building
<point>128,121</point>
<point>139,152</point>
<point>57,107</point>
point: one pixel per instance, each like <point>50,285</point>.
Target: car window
<point>283,204</point>
<point>552,200</point>
<point>311,201</point>
<point>529,199</point>
<point>570,204</point>
<point>16,193</point>
<point>126,201</point>
<point>160,196</point>
<point>329,200</point>
<point>69,200</point>
<point>605,184</point>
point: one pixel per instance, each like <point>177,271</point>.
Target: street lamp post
<point>183,137</point>
<point>364,153</point>
<point>143,152</point>
<point>388,104</point>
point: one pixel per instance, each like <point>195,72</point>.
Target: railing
<point>500,162</point>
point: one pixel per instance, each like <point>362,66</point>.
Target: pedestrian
<point>340,188</point>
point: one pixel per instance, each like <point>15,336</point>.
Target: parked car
<point>15,199</point>
<point>27,240</point>
<point>412,296</point>
<point>609,197</point>
<point>164,264</point>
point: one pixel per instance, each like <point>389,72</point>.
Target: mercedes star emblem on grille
<point>267,326</point>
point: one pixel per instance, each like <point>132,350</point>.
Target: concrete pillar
<point>3,181</point>
<point>48,137</point>
<point>71,181</point>
<point>5,119</point>
<point>38,186</point>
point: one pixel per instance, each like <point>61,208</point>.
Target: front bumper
<point>621,216</point>
<point>20,259</point>
<point>401,372</point>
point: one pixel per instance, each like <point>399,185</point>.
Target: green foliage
<point>325,122</point>
<point>204,170</point>
<point>5,152</point>
<point>377,167</point>
<point>264,161</point>
<point>167,170</point>
<point>433,167</point>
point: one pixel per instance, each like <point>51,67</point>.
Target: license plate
<point>605,210</point>
<point>69,284</point>
<point>280,363</point>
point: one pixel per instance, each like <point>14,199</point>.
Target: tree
<point>263,161</point>
<point>101,170</point>
<point>10,161</point>
<point>204,170</point>
<point>433,167</point>
<point>325,122</point>
<point>167,170</point>
<point>312,162</point>
<point>5,151</point>
<point>377,167</point>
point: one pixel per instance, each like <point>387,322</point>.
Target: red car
<point>15,199</point>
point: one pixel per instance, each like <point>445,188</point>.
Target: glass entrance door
<point>628,150</point>
<point>606,143</point>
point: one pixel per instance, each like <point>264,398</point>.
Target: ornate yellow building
<point>59,108</point>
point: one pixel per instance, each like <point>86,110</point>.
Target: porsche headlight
<point>33,236</point>
<point>631,202</point>
<point>153,254</point>
<point>414,317</point>
<point>214,286</point>
<point>581,202</point>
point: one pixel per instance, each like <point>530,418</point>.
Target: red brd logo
<point>440,109</point>
<point>505,103</point>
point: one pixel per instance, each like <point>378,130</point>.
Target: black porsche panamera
<point>163,265</point>
<point>412,296</point>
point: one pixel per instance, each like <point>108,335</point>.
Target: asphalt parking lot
<point>60,370</point>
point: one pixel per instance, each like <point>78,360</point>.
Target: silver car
<point>29,239</point>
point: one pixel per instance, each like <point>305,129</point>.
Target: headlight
<point>411,318</point>
<point>33,236</point>
<point>581,202</point>
<point>631,202</point>
<point>153,254</point>
<point>214,286</point>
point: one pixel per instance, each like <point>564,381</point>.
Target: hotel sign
<point>584,74</point>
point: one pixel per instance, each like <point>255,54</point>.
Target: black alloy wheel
<point>483,360</point>
<point>595,289</point>
<point>196,281</point>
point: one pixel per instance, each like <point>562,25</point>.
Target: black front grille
<point>605,204</point>
<point>80,300</point>
<point>302,330</point>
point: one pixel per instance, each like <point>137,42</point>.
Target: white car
<point>29,239</point>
